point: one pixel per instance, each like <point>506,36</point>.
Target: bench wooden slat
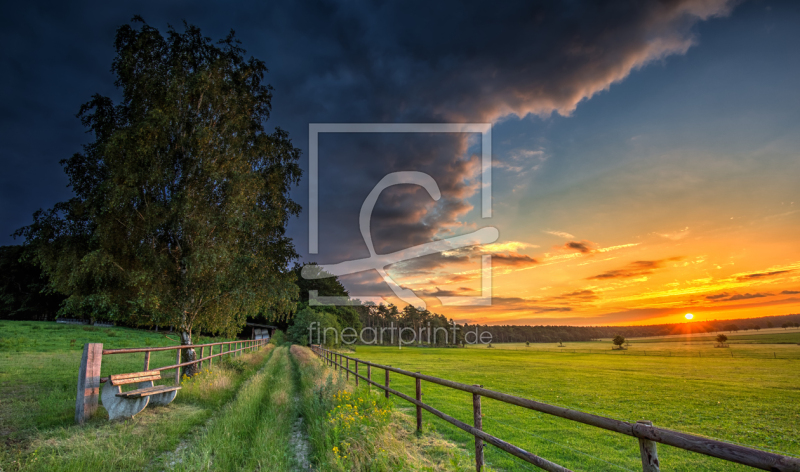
<point>135,377</point>
<point>145,392</point>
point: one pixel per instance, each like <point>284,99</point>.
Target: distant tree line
<point>25,294</point>
<point>554,334</point>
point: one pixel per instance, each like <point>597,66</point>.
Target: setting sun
<point>689,316</point>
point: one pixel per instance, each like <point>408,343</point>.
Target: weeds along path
<point>354,429</point>
<point>251,432</point>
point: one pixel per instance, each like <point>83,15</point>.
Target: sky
<point>645,155</point>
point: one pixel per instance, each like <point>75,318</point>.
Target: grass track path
<point>250,433</point>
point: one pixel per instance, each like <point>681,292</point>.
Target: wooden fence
<point>647,434</point>
<point>89,379</point>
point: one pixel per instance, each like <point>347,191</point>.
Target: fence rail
<point>647,434</point>
<point>89,379</point>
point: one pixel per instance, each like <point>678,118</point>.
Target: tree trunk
<point>188,355</point>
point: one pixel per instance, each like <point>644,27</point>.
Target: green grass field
<point>748,400</point>
<point>239,414</point>
<point>39,368</point>
<point>774,345</point>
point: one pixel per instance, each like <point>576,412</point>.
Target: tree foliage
<point>345,315</point>
<point>182,199</point>
<point>24,291</point>
<point>309,327</point>
<point>618,341</point>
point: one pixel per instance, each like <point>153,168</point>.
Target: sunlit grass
<point>775,345</point>
<point>358,429</point>
<point>755,402</point>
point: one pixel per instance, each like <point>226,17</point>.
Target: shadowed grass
<point>39,364</point>
<point>58,444</point>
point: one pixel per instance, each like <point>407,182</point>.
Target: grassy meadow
<point>776,345</point>
<point>276,409</point>
<point>39,364</point>
<point>746,400</point>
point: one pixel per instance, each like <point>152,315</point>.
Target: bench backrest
<point>136,377</point>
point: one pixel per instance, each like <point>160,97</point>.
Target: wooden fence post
<point>178,369</point>
<point>356,370</point>
<point>147,361</point>
<point>369,376</point>
<point>649,452</point>
<point>478,419</point>
<point>211,353</point>
<point>88,382</point>
<point>347,369</point>
<point>419,408</point>
<point>202,355</point>
<point>387,383</point>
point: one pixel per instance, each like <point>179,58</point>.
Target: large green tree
<point>182,198</point>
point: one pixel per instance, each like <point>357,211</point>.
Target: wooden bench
<point>121,404</point>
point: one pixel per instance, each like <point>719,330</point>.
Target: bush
<point>234,363</point>
<point>298,333</point>
<point>278,338</point>
<point>721,338</point>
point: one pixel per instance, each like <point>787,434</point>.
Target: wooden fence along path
<point>647,434</point>
<point>89,379</point>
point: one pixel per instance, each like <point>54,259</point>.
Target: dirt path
<point>299,438</point>
<point>300,445</point>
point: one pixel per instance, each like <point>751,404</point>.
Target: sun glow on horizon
<point>689,316</point>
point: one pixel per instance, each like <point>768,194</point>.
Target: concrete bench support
<point>121,407</point>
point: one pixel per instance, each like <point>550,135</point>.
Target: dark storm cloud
<point>790,292</point>
<point>634,269</point>
<point>513,259</point>
<point>577,294</point>
<point>761,275</point>
<point>344,62</point>
<point>580,246</point>
<point>725,297</point>
<point>461,292</point>
<point>428,264</point>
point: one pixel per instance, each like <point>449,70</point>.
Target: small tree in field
<point>721,338</point>
<point>757,328</point>
<point>618,341</point>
